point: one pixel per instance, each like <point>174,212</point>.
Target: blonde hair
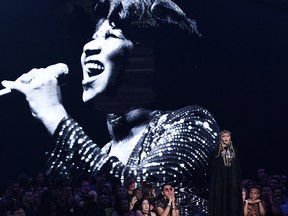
<point>220,144</point>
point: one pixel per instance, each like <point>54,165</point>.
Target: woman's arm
<point>175,211</point>
<point>171,207</point>
<point>163,212</point>
<point>246,208</point>
<point>262,209</point>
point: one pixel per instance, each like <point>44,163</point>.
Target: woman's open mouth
<point>94,68</point>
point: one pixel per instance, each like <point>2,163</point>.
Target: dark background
<point>241,78</point>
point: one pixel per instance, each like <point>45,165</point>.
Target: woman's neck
<point>144,213</point>
<point>121,125</point>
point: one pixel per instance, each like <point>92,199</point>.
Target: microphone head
<point>58,70</point>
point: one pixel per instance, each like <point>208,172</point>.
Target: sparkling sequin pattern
<point>175,146</point>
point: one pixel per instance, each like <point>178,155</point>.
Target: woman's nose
<point>92,48</point>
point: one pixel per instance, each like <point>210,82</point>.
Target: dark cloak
<point>225,193</point>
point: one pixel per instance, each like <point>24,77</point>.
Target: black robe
<point>225,193</point>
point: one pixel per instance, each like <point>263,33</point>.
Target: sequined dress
<point>175,146</point>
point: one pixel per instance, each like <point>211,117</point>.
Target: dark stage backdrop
<point>241,77</point>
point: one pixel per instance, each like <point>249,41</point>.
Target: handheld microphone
<point>59,70</point>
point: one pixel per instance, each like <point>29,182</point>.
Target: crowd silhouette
<point>41,195</point>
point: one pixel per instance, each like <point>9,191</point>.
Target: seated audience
<point>167,205</point>
<point>144,208</point>
<point>254,206</point>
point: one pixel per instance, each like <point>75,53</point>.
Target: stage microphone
<point>59,71</point>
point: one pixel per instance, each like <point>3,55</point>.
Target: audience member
<point>278,192</point>
<point>89,206</point>
<point>148,192</point>
<point>248,183</point>
<point>104,200</point>
<point>10,197</point>
<point>27,203</point>
<point>275,182</point>
<point>138,193</point>
<point>122,207</point>
<point>121,192</point>
<point>167,205</point>
<point>144,208</point>
<point>262,176</point>
<point>98,181</point>
<point>284,184</point>
<point>40,180</point>
<point>83,195</point>
<point>64,200</point>
<point>277,203</point>
<point>244,194</point>
<point>25,183</point>
<point>130,185</point>
<point>254,206</point>
<point>132,200</point>
<point>47,206</point>
<point>267,197</point>
<point>17,211</point>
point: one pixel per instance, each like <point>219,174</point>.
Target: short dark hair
<point>138,204</point>
<point>16,207</point>
<point>165,184</point>
<point>145,12</point>
<point>128,180</point>
<point>146,190</point>
<point>256,187</point>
